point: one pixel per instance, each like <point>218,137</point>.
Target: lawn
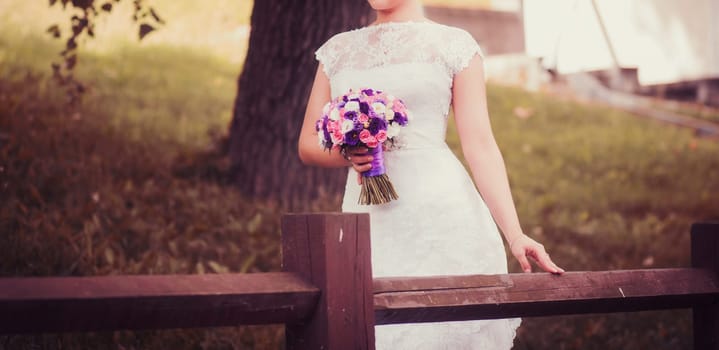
<point>132,182</point>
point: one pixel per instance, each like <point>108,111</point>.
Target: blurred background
<point>607,114</point>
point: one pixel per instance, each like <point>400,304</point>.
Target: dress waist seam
<point>415,148</point>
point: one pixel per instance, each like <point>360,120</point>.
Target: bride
<point>440,225</point>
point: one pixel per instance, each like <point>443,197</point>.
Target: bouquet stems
<point>376,186</point>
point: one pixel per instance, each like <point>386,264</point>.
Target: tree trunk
<point>272,95</point>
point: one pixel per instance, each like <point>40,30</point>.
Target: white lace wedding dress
<point>439,225</point>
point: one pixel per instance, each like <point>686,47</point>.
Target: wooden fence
<point>327,298</point>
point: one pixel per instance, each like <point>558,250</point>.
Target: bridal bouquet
<point>365,118</point>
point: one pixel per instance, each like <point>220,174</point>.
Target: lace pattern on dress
<point>401,57</point>
<point>396,43</point>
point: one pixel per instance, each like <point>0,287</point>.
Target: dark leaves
<point>71,44</point>
<point>83,4</point>
<point>83,23</point>
<point>145,29</point>
<point>156,16</point>
<point>70,61</point>
<point>54,30</point>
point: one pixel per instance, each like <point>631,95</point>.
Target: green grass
<point>219,28</point>
<point>128,183</point>
<point>589,173</point>
<point>604,190</point>
<point>692,110</point>
<point>132,183</point>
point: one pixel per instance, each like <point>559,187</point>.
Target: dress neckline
<point>398,23</point>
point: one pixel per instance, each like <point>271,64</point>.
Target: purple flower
<point>352,138</point>
<point>377,124</point>
<point>358,125</point>
<point>367,92</point>
<point>400,118</point>
<point>326,132</point>
<point>351,115</point>
<point>364,107</point>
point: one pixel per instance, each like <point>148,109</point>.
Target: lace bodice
<point>415,61</point>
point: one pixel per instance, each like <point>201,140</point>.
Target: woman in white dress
<point>440,225</point>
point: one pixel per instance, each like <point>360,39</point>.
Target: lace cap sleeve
<point>327,54</point>
<point>461,48</point>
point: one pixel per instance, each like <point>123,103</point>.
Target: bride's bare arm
<point>308,146</point>
<point>487,165</point>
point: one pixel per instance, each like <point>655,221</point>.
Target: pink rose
<point>398,106</point>
<point>381,136</point>
<point>372,142</point>
<point>332,126</point>
<point>363,118</point>
<point>365,136</point>
<point>374,98</point>
<point>337,136</point>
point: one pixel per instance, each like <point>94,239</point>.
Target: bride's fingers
<point>546,263</point>
<point>359,178</point>
<point>360,161</point>
<point>360,168</point>
<point>557,269</point>
<point>358,151</point>
<point>524,263</point>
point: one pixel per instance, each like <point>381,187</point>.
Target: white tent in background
<point>668,41</point>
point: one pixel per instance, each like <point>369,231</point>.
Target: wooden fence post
<point>705,255</point>
<point>331,251</point>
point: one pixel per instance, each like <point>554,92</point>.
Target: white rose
<point>347,125</point>
<point>352,106</point>
<point>326,108</point>
<point>321,137</point>
<point>393,130</point>
<point>335,114</point>
<point>352,96</point>
<point>389,114</point>
<point>379,108</point>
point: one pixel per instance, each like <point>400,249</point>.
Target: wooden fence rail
<point>56,304</point>
<point>327,298</point>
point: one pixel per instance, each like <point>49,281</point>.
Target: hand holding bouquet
<point>365,118</point>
